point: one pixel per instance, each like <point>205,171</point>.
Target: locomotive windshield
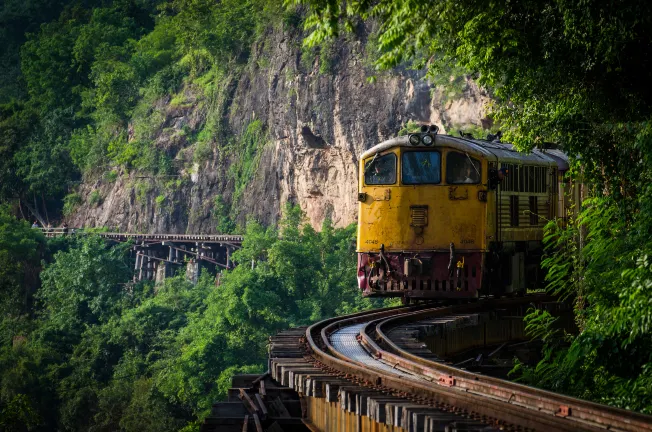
<point>380,170</point>
<point>461,168</point>
<point>421,167</point>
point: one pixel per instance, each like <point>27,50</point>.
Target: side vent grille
<point>418,216</point>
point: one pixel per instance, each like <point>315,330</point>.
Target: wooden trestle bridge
<point>160,255</point>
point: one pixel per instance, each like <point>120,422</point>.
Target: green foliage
<point>203,150</point>
<point>18,414</point>
<point>325,54</point>
<point>15,128</point>
<point>20,248</point>
<point>111,176</point>
<point>103,353</point>
<point>18,18</point>
<point>409,127</point>
<point>82,287</point>
<point>246,154</point>
<point>221,213</point>
<point>600,262</point>
<point>90,72</point>
<point>43,163</point>
<point>94,198</point>
<point>70,203</point>
<point>298,276</point>
<point>291,18</point>
<point>142,189</point>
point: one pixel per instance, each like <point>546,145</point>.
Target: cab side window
<point>380,170</point>
<point>462,169</point>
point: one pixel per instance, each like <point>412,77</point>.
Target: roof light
<point>415,139</point>
<point>427,140</point>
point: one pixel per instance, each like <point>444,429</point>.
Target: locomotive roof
<point>497,151</point>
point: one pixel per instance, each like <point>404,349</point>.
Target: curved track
<point>357,347</point>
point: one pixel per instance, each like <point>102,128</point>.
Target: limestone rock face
<point>317,126</point>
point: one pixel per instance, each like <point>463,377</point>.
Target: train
<point>454,217</point>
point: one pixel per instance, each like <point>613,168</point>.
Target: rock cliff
<point>317,121</point>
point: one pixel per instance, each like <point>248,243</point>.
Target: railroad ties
<point>369,372</point>
<point>259,402</point>
<point>319,399</point>
<point>338,402</point>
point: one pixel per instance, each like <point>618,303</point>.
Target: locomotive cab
<point>431,218</point>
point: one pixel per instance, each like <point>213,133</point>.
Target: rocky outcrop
<point>317,125</point>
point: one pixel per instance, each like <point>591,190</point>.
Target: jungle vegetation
<point>577,74</point>
<point>86,349</point>
<point>81,80</point>
<point>83,348</point>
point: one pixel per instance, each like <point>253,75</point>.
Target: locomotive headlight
<point>414,139</point>
<point>427,140</point>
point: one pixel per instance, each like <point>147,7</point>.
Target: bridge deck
<point>205,238</point>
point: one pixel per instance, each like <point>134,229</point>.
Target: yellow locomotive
<point>454,217</point>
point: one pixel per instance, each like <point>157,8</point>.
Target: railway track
<point>354,361</point>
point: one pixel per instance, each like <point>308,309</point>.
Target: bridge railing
<point>55,232</point>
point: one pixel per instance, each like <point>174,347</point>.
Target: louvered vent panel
<point>418,216</point>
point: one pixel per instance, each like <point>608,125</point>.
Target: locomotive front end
<point>422,218</point>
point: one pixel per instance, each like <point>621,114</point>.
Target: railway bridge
<point>435,367</point>
<point>158,256</point>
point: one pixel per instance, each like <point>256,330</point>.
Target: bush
<point>94,198</point>
<point>221,213</point>
<point>70,203</point>
<point>609,279</point>
<point>111,176</point>
<point>246,157</point>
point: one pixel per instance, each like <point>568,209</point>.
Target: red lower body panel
<point>422,275</point>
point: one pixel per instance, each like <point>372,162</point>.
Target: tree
<point>83,287</point>
<point>20,251</point>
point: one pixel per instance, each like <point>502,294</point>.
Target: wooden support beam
<point>259,427</point>
<point>261,378</point>
<point>278,406</point>
<point>138,260</point>
<point>160,259</point>
<point>141,272</point>
<point>245,397</point>
<point>261,404</point>
<point>201,257</point>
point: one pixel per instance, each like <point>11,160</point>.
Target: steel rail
<point>426,385</point>
<point>584,413</point>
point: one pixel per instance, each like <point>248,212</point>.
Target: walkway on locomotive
<point>457,208</point>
